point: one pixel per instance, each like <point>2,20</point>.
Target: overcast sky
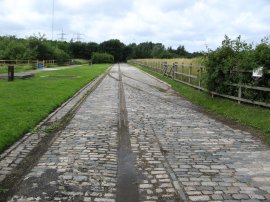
<point>192,23</point>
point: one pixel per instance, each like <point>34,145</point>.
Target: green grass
<point>256,117</point>
<point>24,103</point>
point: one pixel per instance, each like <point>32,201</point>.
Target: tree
<point>181,51</point>
<point>12,48</point>
<point>157,50</point>
<point>78,50</point>
<point>98,58</point>
<point>223,64</point>
<point>115,48</point>
<point>167,55</point>
<point>41,50</point>
<point>144,50</point>
<point>90,48</point>
<point>129,51</point>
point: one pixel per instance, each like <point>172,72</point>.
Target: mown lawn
<point>256,117</point>
<point>24,103</point>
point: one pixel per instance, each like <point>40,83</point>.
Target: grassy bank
<point>256,117</point>
<point>24,103</point>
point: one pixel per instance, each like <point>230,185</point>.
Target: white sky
<point>192,23</point>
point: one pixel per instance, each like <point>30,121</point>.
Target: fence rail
<point>191,75</point>
<point>35,62</point>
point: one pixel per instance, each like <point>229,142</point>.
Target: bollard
<point>10,73</point>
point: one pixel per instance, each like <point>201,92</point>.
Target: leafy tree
<point>167,55</point>
<point>98,58</point>
<point>157,50</point>
<point>232,63</point>
<point>220,63</point>
<point>181,51</point>
<point>60,55</point>
<point>90,48</point>
<point>78,50</point>
<point>115,48</point>
<point>262,53</point>
<point>40,48</point>
<point>144,50</point>
<point>262,56</point>
<point>129,52</point>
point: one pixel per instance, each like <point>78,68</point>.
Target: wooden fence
<point>192,76</point>
<point>44,63</point>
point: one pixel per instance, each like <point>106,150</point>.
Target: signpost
<point>258,72</point>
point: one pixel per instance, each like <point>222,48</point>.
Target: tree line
<point>38,47</point>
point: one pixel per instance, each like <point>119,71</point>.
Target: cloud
<point>192,23</point>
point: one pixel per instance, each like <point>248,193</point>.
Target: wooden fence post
<point>182,71</point>
<point>239,93</point>
<point>200,76</point>
<point>10,73</point>
<point>166,67</point>
<point>175,65</point>
<point>190,71</point>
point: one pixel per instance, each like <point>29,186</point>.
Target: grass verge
<point>247,115</point>
<point>24,103</point>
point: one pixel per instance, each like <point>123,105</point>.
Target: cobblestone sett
<point>199,198</point>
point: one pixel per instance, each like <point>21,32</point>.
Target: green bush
<point>167,55</point>
<point>233,63</point>
<point>61,56</point>
<point>99,58</point>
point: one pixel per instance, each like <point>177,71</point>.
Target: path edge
<point>7,157</point>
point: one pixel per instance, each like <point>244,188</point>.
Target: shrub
<point>233,63</point>
<point>60,56</point>
<point>224,63</point>
<point>98,58</point>
<point>167,55</point>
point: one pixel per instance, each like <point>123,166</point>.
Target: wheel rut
<point>127,186</point>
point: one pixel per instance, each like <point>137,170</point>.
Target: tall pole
<point>52,19</point>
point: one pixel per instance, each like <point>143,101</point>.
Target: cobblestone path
<point>179,154</point>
